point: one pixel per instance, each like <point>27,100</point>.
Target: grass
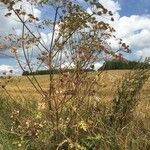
<point>107,81</point>
<point>117,118</point>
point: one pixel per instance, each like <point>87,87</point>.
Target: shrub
<point>126,98</point>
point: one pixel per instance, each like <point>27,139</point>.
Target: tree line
<point>127,65</point>
<point>108,65</point>
<point>53,71</point>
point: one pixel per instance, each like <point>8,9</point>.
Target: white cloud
<point>8,23</point>
<point>27,7</point>
<point>97,65</point>
<point>130,25</point>
<point>111,5</point>
<point>139,40</point>
<point>145,52</point>
<point>134,30</point>
<point>6,69</point>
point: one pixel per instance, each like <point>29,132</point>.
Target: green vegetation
<point>116,64</point>
<point>54,71</point>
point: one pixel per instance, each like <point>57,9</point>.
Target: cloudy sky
<point>132,23</point>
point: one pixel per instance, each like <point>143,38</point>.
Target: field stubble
<point>20,87</point>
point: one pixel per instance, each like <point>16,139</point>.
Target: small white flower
<point>19,145</point>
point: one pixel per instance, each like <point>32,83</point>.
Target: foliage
<point>54,71</point>
<point>122,64</point>
<point>8,108</point>
<point>127,98</point>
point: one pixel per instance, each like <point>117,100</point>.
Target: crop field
<point>21,85</point>
<point>22,91</point>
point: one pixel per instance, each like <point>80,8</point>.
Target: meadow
<point>20,85</point>
<point>22,108</point>
<point>108,81</point>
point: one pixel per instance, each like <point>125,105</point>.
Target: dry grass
<point>132,134</point>
<point>21,87</point>
<point>107,81</point>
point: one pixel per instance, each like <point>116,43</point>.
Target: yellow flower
<point>39,115</point>
<point>83,125</point>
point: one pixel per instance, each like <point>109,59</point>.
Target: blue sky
<point>136,7</point>
<point>132,23</point>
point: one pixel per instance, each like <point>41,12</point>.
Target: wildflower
<point>27,123</point>
<point>19,127</point>
<point>36,134</point>
<point>39,115</point>
<point>83,125</point>
<point>19,145</point>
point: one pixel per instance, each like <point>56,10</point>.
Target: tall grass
<point>127,97</point>
<point>86,125</point>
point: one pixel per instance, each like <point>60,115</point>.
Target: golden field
<point>108,81</point>
<point>20,89</point>
<point>21,86</point>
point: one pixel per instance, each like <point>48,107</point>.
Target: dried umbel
<point>76,39</point>
<point>75,28</point>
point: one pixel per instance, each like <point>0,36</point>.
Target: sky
<point>132,24</point>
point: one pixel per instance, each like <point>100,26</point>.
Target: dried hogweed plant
<point>77,41</point>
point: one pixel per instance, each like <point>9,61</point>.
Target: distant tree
<point>119,64</point>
